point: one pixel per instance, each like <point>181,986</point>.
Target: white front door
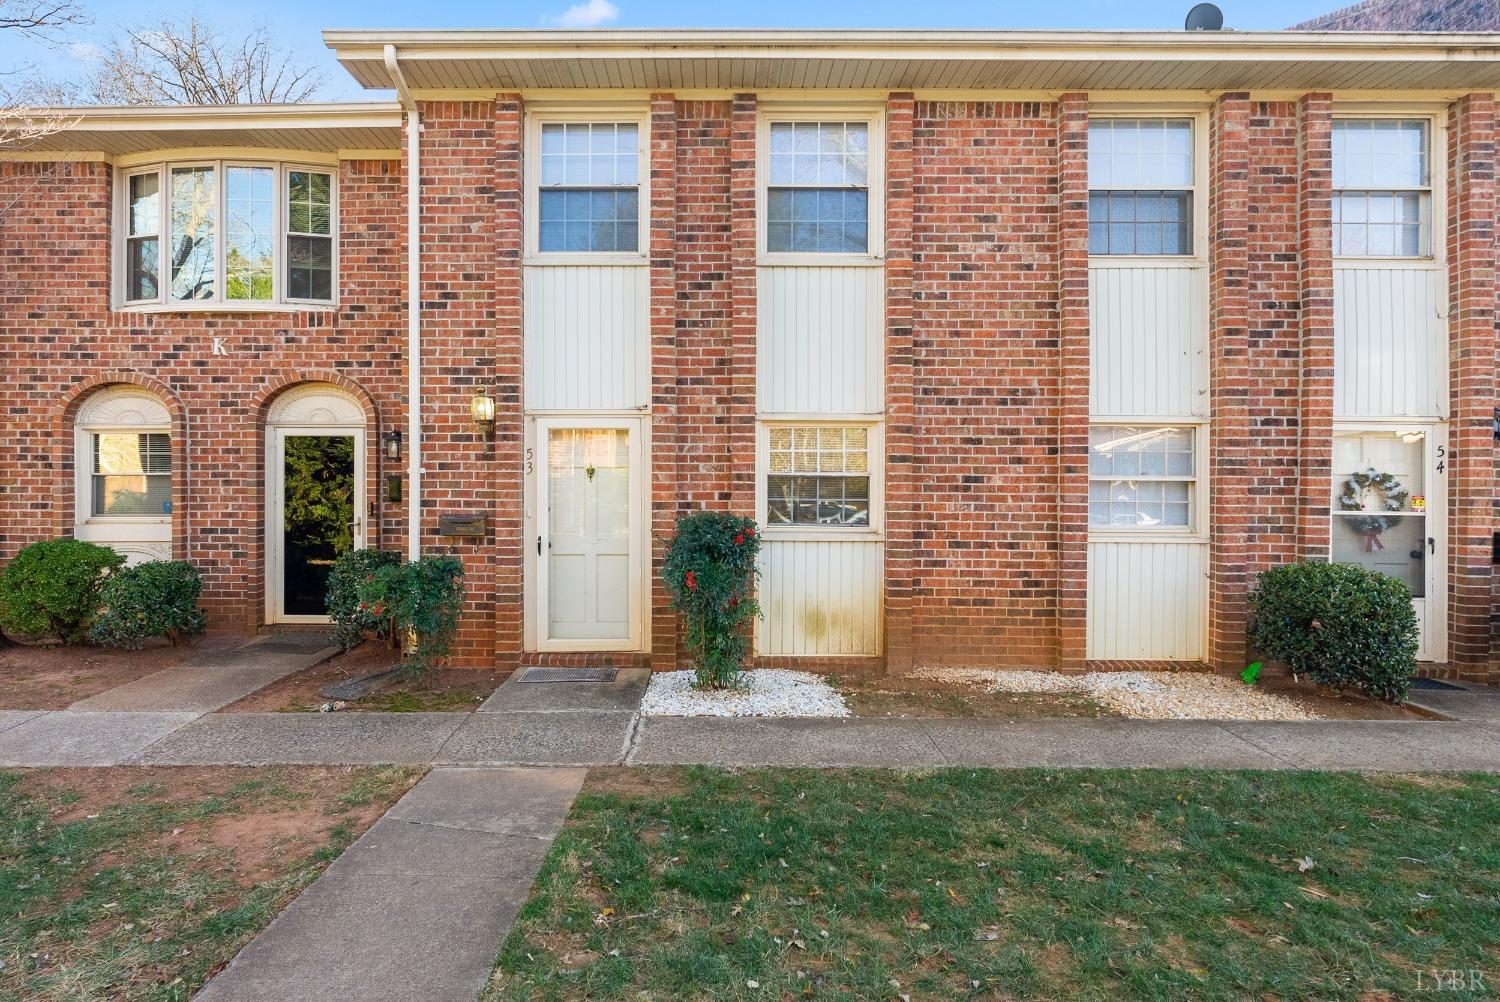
<point>1409,543</point>
<point>315,501</point>
<point>589,553</point>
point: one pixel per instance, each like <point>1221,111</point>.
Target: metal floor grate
<point>569,675</point>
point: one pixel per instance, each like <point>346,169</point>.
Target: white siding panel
<point>1149,342</point>
<point>1147,600</point>
<point>820,598</point>
<point>587,337</point>
<point>1390,343</point>
<point>821,340</point>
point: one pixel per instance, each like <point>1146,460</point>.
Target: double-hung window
<point>1143,477</point>
<point>1382,188</point>
<point>819,475</point>
<point>589,188</point>
<point>1141,187</point>
<point>130,473</point>
<point>227,233</point>
<point>817,188</point>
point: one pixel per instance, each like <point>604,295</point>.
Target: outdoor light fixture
<point>482,407</point>
<point>393,444</point>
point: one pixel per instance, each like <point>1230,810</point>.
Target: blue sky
<point>296,24</point>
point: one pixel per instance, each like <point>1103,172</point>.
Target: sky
<point>297,24</point>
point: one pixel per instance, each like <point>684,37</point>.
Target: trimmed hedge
<point>353,619</point>
<point>51,589</point>
<point>1340,625</point>
<point>154,599</point>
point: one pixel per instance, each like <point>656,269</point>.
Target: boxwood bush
<point>50,589</point>
<point>1340,625</point>
<point>154,599</point>
<point>353,619</point>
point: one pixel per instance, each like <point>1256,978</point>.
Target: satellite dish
<point>1204,17</point>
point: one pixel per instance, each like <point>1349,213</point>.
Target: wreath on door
<point>1392,496</point>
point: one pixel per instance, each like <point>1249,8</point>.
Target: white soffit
<point>321,128</point>
<point>932,60</point>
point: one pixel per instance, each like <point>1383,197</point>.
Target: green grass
<point>100,907</point>
<point>1018,884</point>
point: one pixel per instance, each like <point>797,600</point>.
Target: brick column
<point>742,327</point>
<point>506,469</point>
<point>900,413</point>
<point>1229,376</point>
<point>1073,379</point>
<point>1471,381</point>
<point>1315,284</point>
<point>663,250</point>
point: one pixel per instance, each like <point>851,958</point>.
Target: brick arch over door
<point>64,451</point>
<point>263,406</point>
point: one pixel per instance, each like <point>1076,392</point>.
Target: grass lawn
<point>141,883</point>
<point>783,884</point>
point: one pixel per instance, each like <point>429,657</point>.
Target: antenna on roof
<point>1204,17</point>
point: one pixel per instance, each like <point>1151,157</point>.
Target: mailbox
<point>463,525</point>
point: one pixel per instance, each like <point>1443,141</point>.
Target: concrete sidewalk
<point>418,907</point>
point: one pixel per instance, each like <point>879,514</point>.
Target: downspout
<point>413,305</point>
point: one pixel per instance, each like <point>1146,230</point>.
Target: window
<point>589,194</point>
<point>131,473</point>
<point>819,475</point>
<point>231,232</point>
<point>818,190</point>
<point>1382,193</point>
<point>1142,477</point>
<point>1141,187</point>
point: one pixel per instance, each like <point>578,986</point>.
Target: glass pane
<point>131,473</point>
<point>1140,222</point>
<point>831,154</point>
<point>589,219</point>
<point>145,204</point>
<point>309,202</point>
<point>309,271</point>
<point>318,516</point>
<point>1375,153</point>
<point>1379,502</point>
<point>589,153</point>
<point>818,500</point>
<point>1143,153</point>
<point>817,220</point>
<point>193,207</point>
<point>248,236</point>
<point>141,268</point>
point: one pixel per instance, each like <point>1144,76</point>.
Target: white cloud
<point>84,52</point>
<point>589,14</point>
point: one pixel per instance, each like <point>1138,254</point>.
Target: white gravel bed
<point>764,692</point>
<point>1141,695</point>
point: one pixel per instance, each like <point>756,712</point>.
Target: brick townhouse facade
<point>1026,350</point>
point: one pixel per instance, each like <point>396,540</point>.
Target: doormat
<point>293,642</point>
<point>569,675</point>
<point>1431,684</point>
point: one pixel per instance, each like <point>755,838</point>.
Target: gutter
<point>413,304</point>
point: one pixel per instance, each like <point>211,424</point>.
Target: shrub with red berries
<point>710,573</point>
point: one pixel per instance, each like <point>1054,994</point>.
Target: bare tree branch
<point>187,62</point>
<point>40,18</point>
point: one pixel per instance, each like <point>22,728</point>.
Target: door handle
<point>1432,545</point>
<point>539,546</point>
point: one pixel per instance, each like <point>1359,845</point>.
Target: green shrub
<point>51,588</point>
<point>155,599</point>
<point>710,574</point>
<point>1340,625</point>
<point>352,619</point>
<point>420,601</point>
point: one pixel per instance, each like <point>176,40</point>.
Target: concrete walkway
<point>418,907</point>
<point>1462,702</point>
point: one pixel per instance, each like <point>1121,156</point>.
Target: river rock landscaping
<point>765,692</point>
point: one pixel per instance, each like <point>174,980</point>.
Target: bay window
<point>1382,188</point>
<point>224,233</point>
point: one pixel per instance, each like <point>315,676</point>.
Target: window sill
<point>1145,536</point>
<point>289,306</point>
<point>820,261</point>
<point>1416,263</point>
<point>578,260</point>
<point>1145,261</point>
<point>791,534</point>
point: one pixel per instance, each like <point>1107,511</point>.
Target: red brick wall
<point>985,334</point>
<point>59,339</point>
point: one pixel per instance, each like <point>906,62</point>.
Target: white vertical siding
<point>1148,354</point>
<point>1147,600</point>
<point>821,340</point>
<point>587,337</point>
<point>1390,343</point>
<point>820,598</point>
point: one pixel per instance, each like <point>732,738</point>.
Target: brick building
<point>1025,349</point>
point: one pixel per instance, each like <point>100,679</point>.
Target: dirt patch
<point>654,782</point>
<point>446,690</point>
<point>1345,706</point>
<point>54,678</point>
<point>286,812</point>
<point>869,694</point>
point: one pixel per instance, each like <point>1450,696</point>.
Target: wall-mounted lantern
<point>392,441</point>
<point>482,408</point>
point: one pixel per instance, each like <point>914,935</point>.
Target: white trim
<point>603,113</point>
<point>873,117</point>
<point>275,499</point>
<point>163,303</point>
<point>536,592</point>
<point>875,460</point>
